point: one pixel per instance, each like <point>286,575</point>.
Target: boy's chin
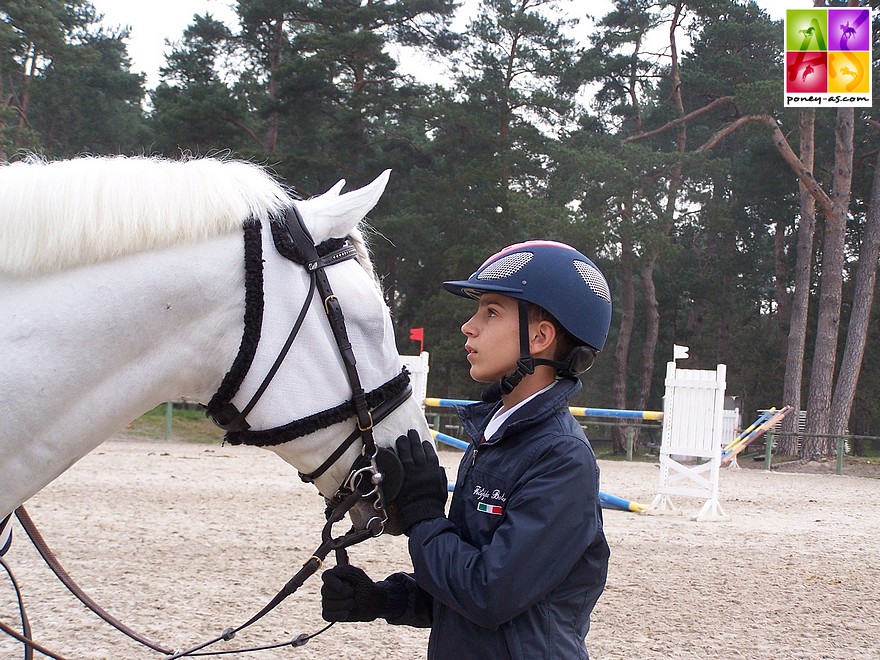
<point>488,379</point>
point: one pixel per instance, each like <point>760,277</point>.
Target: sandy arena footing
<point>180,541</point>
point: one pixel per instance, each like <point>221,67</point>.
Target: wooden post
<point>168,409</point>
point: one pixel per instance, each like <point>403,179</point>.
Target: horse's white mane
<point>55,215</point>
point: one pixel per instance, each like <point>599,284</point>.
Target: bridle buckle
<point>369,424</point>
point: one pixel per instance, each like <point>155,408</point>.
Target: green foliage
<point>88,101</point>
<point>502,152</point>
<point>65,82</point>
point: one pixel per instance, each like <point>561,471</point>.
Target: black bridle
<point>367,477</point>
<point>294,242</point>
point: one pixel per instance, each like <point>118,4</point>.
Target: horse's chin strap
<point>378,475</point>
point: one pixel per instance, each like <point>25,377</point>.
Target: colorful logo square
<point>849,72</point>
<point>849,29</point>
<point>807,72</point>
<point>806,29</point>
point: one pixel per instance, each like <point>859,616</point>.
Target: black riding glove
<point>423,494</point>
<point>348,594</point>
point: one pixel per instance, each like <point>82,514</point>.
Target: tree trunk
<point>728,248</point>
<point>4,104</point>
<point>271,140</point>
<point>627,308</point>
<point>797,330</point>
<point>825,352</point>
<point>782,307</point>
<point>652,330</point>
<point>646,274</point>
<point>863,298</point>
<point>27,78</point>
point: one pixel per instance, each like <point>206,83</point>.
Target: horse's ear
<point>334,215</point>
<point>336,189</point>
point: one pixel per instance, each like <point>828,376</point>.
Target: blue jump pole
<point>614,502</point>
<point>449,440</point>
<point>607,500</point>
<point>652,415</point>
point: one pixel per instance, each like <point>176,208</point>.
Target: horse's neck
<point>95,347</point>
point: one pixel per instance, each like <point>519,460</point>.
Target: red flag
<point>418,334</point>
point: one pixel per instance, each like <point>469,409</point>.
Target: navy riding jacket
<point>516,568</point>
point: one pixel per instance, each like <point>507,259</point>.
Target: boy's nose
<point>467,328</point>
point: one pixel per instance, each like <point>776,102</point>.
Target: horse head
<point>122,285</point>
<point>307,411</point>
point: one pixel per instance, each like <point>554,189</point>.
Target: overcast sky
<point>153,21</point>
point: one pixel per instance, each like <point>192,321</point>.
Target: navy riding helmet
<point>552,275</point>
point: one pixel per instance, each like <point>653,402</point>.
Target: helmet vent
<point>594,279</point>
<point>505,266</point>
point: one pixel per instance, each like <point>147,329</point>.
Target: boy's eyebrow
<point>489,298</point>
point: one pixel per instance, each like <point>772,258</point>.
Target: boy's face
<point>492,338</point>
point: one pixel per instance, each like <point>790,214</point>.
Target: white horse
<point>123,285</point>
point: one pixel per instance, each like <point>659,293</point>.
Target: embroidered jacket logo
<point>482,493</point>
<point>486,494</point>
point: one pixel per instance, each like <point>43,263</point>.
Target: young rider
<point>515,569</point>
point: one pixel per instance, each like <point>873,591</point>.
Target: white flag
<point>679,352</point>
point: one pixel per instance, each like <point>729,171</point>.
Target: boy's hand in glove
<point>348,594</point>
<point>423,494</point>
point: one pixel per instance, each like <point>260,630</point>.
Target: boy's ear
<point>542,336</point>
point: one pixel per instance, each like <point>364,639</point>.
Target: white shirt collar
<point>503,414</point>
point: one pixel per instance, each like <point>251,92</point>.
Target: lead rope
<point>314,562</point>
<point>299,640</point>
<point>53,563</point>
<point>328,544</point>
<point>25,624</point>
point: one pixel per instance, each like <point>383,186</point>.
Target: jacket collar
<point>475,417</point>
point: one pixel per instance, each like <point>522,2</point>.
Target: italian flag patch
<point>489,508</point>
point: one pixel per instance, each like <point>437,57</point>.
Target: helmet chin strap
<point>577,362</point>
<point>525,365</point>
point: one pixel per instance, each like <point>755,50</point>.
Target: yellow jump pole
<point>744,434</point>
<point>754,435</point>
